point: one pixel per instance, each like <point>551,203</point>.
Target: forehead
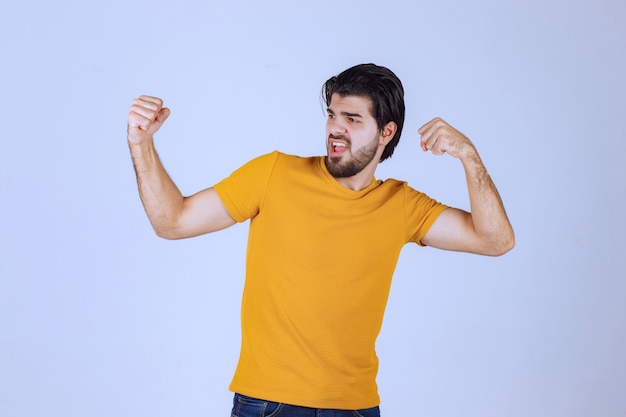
<point>351,104</point>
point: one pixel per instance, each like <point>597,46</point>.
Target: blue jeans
<point>253,407</point>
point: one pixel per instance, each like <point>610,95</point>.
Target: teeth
<point>343,145</point>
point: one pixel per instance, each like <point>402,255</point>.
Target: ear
<point>387,133</point>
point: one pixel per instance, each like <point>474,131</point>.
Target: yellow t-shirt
<point>319,266</point>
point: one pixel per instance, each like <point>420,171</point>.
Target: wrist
<point>142,146</point>
<point>469,153</point>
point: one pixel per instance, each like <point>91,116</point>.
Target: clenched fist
<point>439,138</point>
<point>146,116</point>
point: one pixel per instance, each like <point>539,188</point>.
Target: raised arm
<point>486,230</point>
<point>172,215</point>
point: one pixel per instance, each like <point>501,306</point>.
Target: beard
<point>359,160</point>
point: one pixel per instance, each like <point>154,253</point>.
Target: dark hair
<point>381,86</point>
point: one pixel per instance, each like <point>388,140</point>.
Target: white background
<point>99,317</point>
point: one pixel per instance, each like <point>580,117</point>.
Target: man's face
<point>352,135</point>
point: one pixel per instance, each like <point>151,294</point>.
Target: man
<point>324,239</point>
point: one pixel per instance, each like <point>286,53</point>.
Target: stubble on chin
<point>355,164</point>
<point>339,170</point>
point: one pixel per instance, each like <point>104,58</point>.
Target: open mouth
<point>337,147</point>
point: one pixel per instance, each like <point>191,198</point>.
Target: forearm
<point>161,198</point>
<point>489,218</point>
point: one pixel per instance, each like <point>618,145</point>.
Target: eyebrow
<point>345,113</point>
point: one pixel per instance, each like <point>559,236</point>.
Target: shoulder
<point>278,163</point>
<point>294,159</point>
<point>401,186</point>
<point>392,185</point>
<point>411,196</point>
<point>294,164</point>
<point>261,162</point>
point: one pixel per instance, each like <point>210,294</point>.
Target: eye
<point>352,120</point>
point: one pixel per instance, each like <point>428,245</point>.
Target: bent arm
<point>486,230</point>
<point>172,216</point>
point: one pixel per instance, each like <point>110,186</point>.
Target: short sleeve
<point>243,191</point>
<point>421,212</point>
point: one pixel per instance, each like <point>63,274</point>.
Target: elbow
<point>171,234</point>
<point>167,235</point>
<point>503,245</point>
<point>166,232</point>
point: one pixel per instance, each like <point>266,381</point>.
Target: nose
<point>335,126</point>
